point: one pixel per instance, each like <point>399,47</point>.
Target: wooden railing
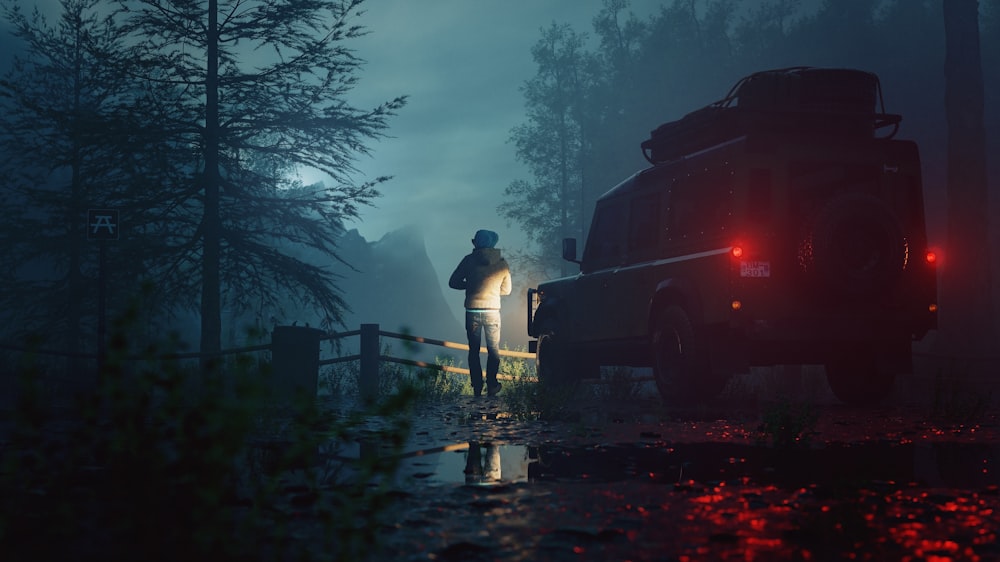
<point>295,356</point>
<point>370,355</point>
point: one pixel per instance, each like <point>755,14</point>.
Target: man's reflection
<point>482,464</point>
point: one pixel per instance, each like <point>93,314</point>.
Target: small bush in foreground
<point>786,424</point>
<point>160,462</point>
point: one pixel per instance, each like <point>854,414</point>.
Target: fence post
<point>368,382</point>
<point>295,361</point>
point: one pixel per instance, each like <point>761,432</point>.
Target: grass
<point>618,384</point>
<point>787,424</point>
<point>523,398</point>
<point>424,383</point>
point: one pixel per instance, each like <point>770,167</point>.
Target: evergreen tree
<point>762,33</point>
<point>243,91</point>
<point>990,48</point>
<point>588,111</point>
<point>549,207</point>
<point>967,318</point>
<point>62,154</point>
<point>618,102</point>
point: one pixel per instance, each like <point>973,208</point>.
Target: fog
<point>463,65</point>
<point>118,444</point>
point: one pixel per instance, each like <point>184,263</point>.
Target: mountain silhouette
<point>392,283</point>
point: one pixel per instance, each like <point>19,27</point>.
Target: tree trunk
<point>211,306</point>
<point>966,312</point>
<point>76,283</point>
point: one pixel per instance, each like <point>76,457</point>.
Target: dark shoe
<point>492,390</point>
<point>477,392</point>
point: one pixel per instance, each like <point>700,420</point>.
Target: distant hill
<point>395,286</point>
<point>392,282</point>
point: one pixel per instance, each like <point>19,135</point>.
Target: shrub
<point>163,462</point>
<point>786,424</point>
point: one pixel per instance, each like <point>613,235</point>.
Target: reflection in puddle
<point>966,466</point>
<point>469,463</point>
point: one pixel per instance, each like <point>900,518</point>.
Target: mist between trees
<point>155,108</point>
<point>168,112</point>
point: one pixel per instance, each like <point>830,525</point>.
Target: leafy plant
<point>338,380</point>
<point>526,398</point>
<point>786,424</point>
<point>617,383</point>
<point>163,462</point>
<point>435,385</point>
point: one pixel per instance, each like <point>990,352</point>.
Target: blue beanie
<point>485,239</point>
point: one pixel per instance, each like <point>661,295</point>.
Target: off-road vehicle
<point>782,225</point>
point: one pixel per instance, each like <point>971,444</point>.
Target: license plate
<point>755,269</point>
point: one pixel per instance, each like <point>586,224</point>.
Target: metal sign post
<point>102,225</point>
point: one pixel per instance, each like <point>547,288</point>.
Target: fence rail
<point>370,355</point>
<point>295,355</point>
<point>164,356</point>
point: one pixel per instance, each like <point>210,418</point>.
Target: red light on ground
<point>737,251</point>
<point>930,257</point>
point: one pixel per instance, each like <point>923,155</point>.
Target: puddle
<point>459,463</point>
<point>967,466</point>
<point>699,501</point>
<point>472,463</point>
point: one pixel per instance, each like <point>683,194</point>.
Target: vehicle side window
<point>606,242</point>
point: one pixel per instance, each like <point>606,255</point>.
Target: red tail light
<point>930,257</point>
<point>737,251</point>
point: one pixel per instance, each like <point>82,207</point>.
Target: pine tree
<point>247,92</point>
<point>967,318</point>
<point>549,207</point>
<point>59,104</point>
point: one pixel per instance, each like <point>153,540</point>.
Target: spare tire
<point>854,247</point>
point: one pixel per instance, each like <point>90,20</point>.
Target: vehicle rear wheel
<point>680,362</point>
<point>863,380</point>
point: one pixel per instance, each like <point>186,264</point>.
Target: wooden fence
<point>296,356</point>
<point>295,353</point>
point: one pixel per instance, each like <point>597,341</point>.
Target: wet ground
<point>630,481</point>
<point>768,472</point>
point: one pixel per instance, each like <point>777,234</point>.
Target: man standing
<point>485,277</point>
